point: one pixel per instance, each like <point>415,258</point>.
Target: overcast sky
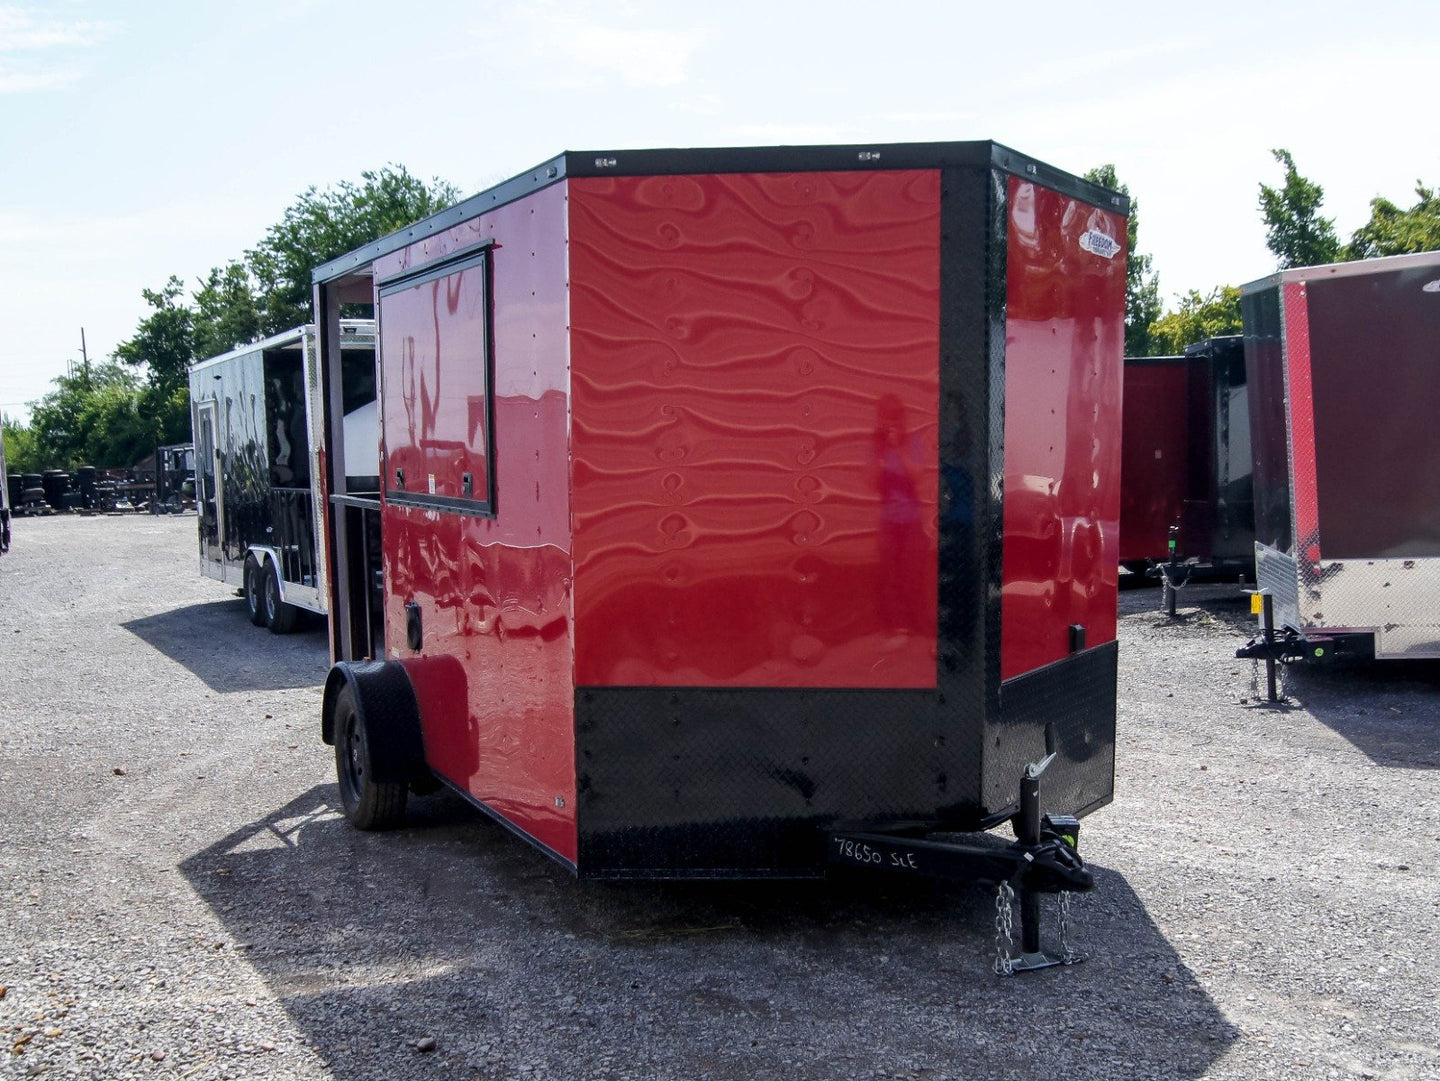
<point>140,140</point>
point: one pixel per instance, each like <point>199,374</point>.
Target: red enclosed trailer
<point>1343,403</point>
<point>1185,461</point>
<point>736,499</point>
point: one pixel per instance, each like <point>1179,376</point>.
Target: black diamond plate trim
<point>1077,696</point>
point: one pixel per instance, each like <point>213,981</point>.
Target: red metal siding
<point>755,451</point>
<point>495,678</point>
<point>1154,458</point>
<point>1065,333</point>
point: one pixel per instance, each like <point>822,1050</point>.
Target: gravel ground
<point>180,899</point>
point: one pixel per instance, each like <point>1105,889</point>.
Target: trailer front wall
<point>1065,335</point>
<point>1375,376</point>
<point>756,367</point>
<point>494,676</point>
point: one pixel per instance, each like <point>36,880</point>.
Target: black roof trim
<point>767,159</point>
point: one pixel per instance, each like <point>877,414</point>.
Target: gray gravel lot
<point>179,898</point>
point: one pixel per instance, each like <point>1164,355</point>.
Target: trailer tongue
<point>1045,858</point>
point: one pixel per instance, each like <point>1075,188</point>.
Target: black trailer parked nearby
<point>257,472</point>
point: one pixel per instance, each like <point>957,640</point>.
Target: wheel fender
<point>386,704</point>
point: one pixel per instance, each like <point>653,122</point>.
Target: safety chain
<point>1004,940</point>
<point>1282,680</point>
<point>1067,955</point>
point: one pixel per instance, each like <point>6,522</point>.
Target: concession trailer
<point>1342,363</point>
<point>741,511</point>
<point>256,457</point>
<point>1186,493</point>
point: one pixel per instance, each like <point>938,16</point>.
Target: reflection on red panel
<point>433,338</point>
<point>1065,333</point>
<point>755,378</point>
<point>494,593</point>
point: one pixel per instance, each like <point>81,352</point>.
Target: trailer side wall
<point>490,581</point>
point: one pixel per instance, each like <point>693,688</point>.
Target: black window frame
<point>465,260</point>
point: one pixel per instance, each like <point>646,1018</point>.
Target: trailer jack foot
<point>1031,958</point>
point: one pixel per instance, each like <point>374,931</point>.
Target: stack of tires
<point>56,485</point>
<point>32,494</point>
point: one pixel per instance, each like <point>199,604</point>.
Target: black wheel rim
<point>351,759</point>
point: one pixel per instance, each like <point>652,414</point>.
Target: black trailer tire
<point>368,804</point>
<point>253,587</point>
<point>279,616</point>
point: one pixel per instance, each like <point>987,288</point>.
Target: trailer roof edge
<point>507,191</point>
<point>676,161</point>
<point>285,337</point>
<point>1350,269</point>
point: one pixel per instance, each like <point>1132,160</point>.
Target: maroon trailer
<point>1186,495</point>
<point>741,511</point>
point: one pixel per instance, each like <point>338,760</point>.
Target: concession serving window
<point>436,395</point>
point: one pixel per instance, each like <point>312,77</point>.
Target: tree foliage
<point>100,414</point>
<point>321,225</point>
<point>115,414</point>
<point>164,342</point>
<point>1392,231</point>
<point>226,314</point>
<point>1294,230</point>
<point>1142,285</point>
<point>1198,317</point>
<point>20,453</point>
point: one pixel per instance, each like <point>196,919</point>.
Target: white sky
<point>140,140</point>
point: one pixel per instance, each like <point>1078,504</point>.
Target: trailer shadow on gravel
<point>216,642</point>
<point>450,929</point>
<point>1389,710</point>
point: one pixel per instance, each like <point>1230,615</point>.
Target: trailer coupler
<point>1044,859</point>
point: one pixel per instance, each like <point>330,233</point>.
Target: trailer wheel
<point>368,804</point>
<point>253,583</point>
<point>279,616</point>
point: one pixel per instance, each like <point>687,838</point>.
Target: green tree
<point>1198,317</point>
<point>1294,229</point>
<point>1142,285</point>
<point>95,416</point>
<point>324,224</point>
<point>163,344</point>
<point>226,313</point>
<point>1392,231</point>
<point>20,452</point>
